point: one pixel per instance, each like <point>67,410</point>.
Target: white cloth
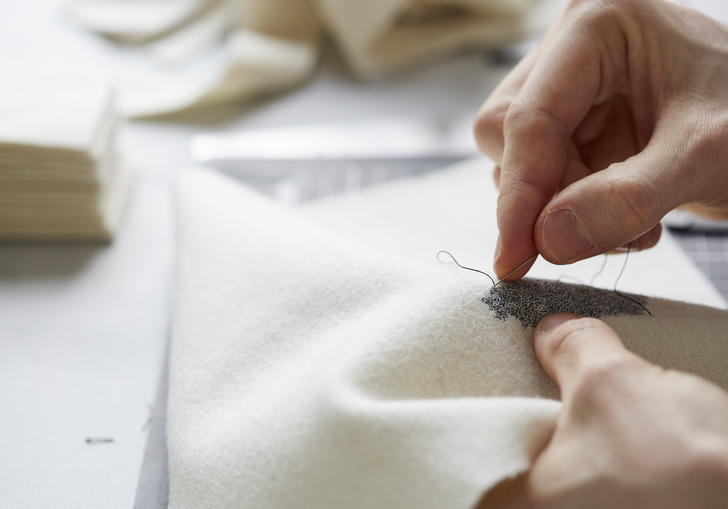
<point>60,173</point>
<point>342,366</point>
<point>375,37</point>
<point>254,64</point>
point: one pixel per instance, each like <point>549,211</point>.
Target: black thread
<point>99,440</point>
<point>601,269</point>
<point>624,266</point>
<point>462,266</point>
<point>531,300</point>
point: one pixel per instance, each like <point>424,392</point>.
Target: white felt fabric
<point>54,110</point>
<point>375,37</point>
<point>342,366</point>
<point>60,173</point>
<point>455,210</point>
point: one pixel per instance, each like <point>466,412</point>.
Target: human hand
<point>630,434</point>
<point>618,117</point>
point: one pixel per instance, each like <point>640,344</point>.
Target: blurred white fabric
<point>375,38</point>
<point>61,176</point>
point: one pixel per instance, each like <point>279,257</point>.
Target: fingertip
<point>566,345</point>
<point>515,248</point>
<point>547,327</point>
<point>506,261</point>
<point>648,240</point>
<point>546,341</point>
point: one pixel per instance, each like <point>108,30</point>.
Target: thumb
<point>611,208</point>
<point>566,345</point>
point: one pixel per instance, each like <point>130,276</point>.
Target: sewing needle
<point>515,270</point>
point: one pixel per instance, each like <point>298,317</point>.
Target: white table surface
<point>83,328</point>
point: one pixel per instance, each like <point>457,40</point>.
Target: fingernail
<point>564,237</point>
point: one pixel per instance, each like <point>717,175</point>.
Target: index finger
<point>557,95</point>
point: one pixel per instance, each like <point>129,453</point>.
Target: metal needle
<point>515,270</point>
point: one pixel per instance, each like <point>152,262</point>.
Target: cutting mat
<point>709,251</point>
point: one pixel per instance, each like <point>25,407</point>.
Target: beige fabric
<point>255,64</point>
<point>375,37</point>
<point>382,35</point>
<point>342,366</point>
<point>289,19</point>
<point>60,174</point>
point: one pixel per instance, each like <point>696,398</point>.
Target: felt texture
<point>375,37</point>
<point>315,363</point>
<point>61,176</point>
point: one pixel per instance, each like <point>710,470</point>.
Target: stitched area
<point>530,300</point>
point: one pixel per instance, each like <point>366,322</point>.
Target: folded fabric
<point>375,37</point>
<point>380,36</point>
<point>323,358</point>
<point>60,173</point>
<point>254,64</point>
<point>135,21</point>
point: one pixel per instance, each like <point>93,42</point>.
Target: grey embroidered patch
<point>530,300</point>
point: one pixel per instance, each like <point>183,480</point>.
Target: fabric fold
<point>383,36</point>
<point>254,64</point>
<point>311,367</point>
<point>375,38</point>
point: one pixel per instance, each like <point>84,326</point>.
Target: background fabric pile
<point>330,361</point>
<point>60,174</point>
<point>269,45</point>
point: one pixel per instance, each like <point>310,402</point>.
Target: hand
<point>630,435</point>
<point>618,117</point>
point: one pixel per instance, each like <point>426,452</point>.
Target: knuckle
<point>520,196</point>
<point>600,18</point>
<point>703,134</point>
<point>648,240</point>
<point>524,116</point>
<point>598,380</point>
<point>705,144</point>
<point>597,11</point>
<point>489,120</point>
<point>639,201</point>
<point>519,115</point>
